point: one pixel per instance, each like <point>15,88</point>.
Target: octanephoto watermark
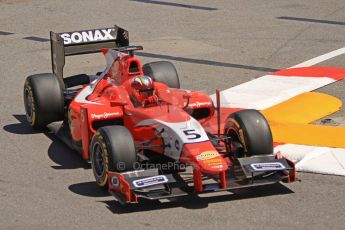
<point>166,166</point>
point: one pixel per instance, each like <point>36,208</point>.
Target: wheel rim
<point>98,160</point>
<point>28,101</point>
<point>235,137</point>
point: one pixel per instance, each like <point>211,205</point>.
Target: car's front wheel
<point>251,129</point>
<point>112,149</point>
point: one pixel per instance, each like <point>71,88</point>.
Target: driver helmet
<point>142,88</point>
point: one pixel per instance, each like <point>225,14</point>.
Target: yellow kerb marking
<point>290,120</point>
<point>304,108</point>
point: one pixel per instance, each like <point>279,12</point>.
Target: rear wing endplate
<point>83,42</point>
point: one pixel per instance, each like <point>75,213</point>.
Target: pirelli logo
<point>88,36</point>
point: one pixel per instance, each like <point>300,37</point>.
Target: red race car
<point>146,137</point>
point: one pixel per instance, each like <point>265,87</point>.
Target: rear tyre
<point>251,129</point>
<point>163,71</point>
<point>43,100</point>
<point>112,149</point>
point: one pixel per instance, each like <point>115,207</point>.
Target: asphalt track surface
<point>214,44</point>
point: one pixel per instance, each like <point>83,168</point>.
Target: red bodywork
<point>109,103</point>
<point>106,101</point>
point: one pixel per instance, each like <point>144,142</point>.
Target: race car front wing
<point>154,184</point>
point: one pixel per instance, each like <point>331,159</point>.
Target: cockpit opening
<point>133,68</point>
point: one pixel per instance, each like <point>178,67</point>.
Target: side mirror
<point>187,96</point>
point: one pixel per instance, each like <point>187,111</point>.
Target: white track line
<point>255,95</point>
<point>269,90</point>
<point>321,58</point>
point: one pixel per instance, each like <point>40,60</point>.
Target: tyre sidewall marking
<point>33,104</point>
<point>104,179</point>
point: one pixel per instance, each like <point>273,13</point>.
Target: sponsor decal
<point>141,183</point>
<point>213,161</point>
<point>207,155</point>
<point>198,104</point>
<point>104,115</point>
<point>267,166</point>
<point>125,34</point>
<point>88,36</point>
<point>217,166</point>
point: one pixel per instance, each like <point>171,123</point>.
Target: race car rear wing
<point>83,42</point>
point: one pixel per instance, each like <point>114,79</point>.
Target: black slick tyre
<point>112,149</point>
<point>164,72</point>
<point>251,129</point>
<point>43,100</point>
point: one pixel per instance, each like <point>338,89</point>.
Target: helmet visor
<point>145,93</point>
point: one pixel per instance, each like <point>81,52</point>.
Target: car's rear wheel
<point>43,100</point>
<point>112,149</point>
<point>251,130</point>
<point>163,71</point>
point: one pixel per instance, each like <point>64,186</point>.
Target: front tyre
<point>112,149</point>
<point>251,129</point>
